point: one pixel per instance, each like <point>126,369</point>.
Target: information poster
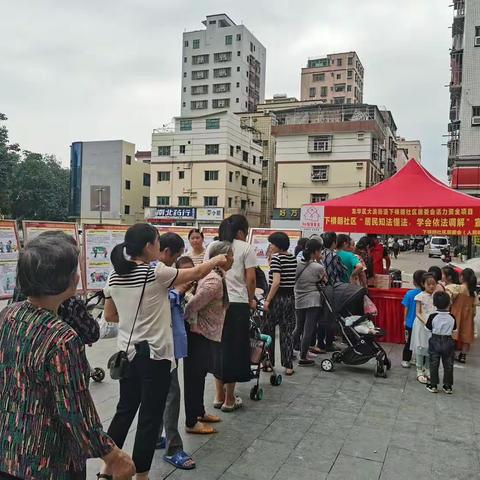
<point>182,231</point>
<point>32,229</point>
<point>9,248</point>
<point>98,243</point>
<point>259,241</point>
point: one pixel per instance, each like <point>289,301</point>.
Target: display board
<point>9,249</point>
<point>258,238</point>
<point>32,229</point>
<point>182,231</point>
<point>98,243</point>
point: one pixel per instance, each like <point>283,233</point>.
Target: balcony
<point>459,8</point>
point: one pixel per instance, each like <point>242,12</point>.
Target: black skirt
<point>235,346</point>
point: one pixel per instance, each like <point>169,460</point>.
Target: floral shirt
<point>48,422</point>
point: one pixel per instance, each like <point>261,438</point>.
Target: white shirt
<point>154,322</point>
<point>243,257</point>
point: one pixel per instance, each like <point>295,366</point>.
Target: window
<point>196,44</point>
<point>211,149</point>
<point>199,89</point>
<point>199,105</point>
<point>127,184</point>
<point>184,89</point>
<point>318,77</point>
<point>321,143</point>
<point>163,201</point>
<point>318,197</point>
<point>181,175</point>
<point>265,164</point>
<point>185,59</point>
<point>184,74</point>
<point>199,74</point>
<point>228,39</point>
<point>163,176</point>
<point>238,53</point>
<point>339,100</point>
<point>244,180</point>
<point>254,159</point>
<point>253,181</point>
<point>324,91</point>
<point>349,74</point>
<point>349,88</point>
<point>146,179</point>
<point>185,125</point>
<point>339,76</point>
<point>185,43</point>
<point>350,60</point>
<point>476,116</point>
<point>222,57</point>
<point>164,151</point>
<point>245,156</point>
<point>212,123</point>
<point>181,149</point>
<point>210,201</point>
<point>319,173</point>
<point>237,100</point>
<point>200,59</point>
<point>340,87</point>
<point>221,103</point>
<point>239,37</point>
<point>264,183</point>
<point>183,201</point>
<point>231,150</point>
<point>238,84</point>
<point>128,159</point>
<point>127,210</point>
<point>476,42</point>
<point>339,62</point>
<point>243,204</point>
<point>145,202</point>
<point>184,104</point>
<point>212,22</point>
<point>230,200</point>
<point>221,87</point>
<point>252,47</point>
<point>238,69</point>
<point>230,176</point>
<point>211,175</point>
<point>349,100</point>
<point>312,92</point>
<point>222,72</point>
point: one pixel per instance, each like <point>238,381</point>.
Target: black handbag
<point>118,363</point>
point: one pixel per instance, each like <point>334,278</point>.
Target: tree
<point>9,158</point>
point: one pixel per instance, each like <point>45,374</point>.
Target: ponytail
<point>228,229</point>
<point>312,246</point>
<point>468,277</point>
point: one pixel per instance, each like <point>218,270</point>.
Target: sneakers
<point>431,388</point>
<point>405,364</point>
<point>447,389</point>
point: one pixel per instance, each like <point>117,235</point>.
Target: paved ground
<point>341,425</point>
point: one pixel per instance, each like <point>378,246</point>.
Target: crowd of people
<point>171,306</point>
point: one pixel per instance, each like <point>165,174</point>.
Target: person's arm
<point>110,312</point>
<point>187,275</point>
<point>429,324</point>
<point>419,312</point>
<point>251,281</point>
<point>207,291</point>
<point>273,290</point>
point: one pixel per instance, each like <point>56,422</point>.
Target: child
<point>441,344</point>
<point>420,335</point>
<point>173,443</point>
<point>409,315</point>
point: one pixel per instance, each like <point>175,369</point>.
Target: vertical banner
<point>312,220</point>
<point>98,243</point>
<point>259,241</point>
<point>32,229</point>
<point>9,248</point>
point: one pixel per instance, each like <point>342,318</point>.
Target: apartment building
<point>464,127</point>
<point>335,78</point>
<point>327,151</point>
<point>223,68</point>
<point>412,148</point>
<point>108,182</point>
<point>209,167</point>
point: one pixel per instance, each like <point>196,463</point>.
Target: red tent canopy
<point>410,202</point>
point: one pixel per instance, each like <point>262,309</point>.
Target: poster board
<point>182,231</point>
<point>98,243</point>
<point>32,229</point>
<point>258,238</point>
<point>9,249</point>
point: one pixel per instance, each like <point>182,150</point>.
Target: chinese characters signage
<point>286,214</point>
<point>214,214</point>
<point>171,213</point>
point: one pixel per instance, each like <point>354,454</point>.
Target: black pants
<point>307,324</point>
<point>407,353</point>
<point>441,347</point>
<point>145,390</point>
<point>323,335</point>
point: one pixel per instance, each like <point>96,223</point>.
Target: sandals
<point>267,367</point>
<point>289,372</point>
<point>180,460</point>
<point>217,405</point>
<point>316,350</point>
<point>422,379</point>
<point>200,429</point>
<point>230,408</point>
<point>462,357</point>
<point>105,476</point>
<point>207,418</point>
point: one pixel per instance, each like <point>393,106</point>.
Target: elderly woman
<point>44,375</point>
<point>206,313</point>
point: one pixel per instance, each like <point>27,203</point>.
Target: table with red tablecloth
<point>390,312</point>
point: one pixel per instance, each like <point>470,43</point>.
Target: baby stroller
<point>259,354</point>
<point>95,308</point>
<point>342,300</point>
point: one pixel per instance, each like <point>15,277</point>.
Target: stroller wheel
<point>380,371</point>
<point>97,374</point>
<point>336,357</point>
<point>253,392</point>
<point>388,363</point>
<point>276,380</point>
<point>327,365</point>
<point>259,395</point>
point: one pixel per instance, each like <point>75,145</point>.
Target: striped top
<point>286,266</point>
<point>197,259</point>
<point>48,422</point>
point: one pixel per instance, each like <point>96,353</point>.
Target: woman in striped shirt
<point>280,302</point>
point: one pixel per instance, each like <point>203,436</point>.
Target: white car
<point>436,245</point>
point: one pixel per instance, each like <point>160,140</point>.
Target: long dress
<point>420,334</point>
<point>464,309</point>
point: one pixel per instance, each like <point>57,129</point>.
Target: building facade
<point>335,78</point>
<point>464,126</point>
<point>211,161</point>
<point>223,68</point>
<point>108,184</point>
<point>412,148</point>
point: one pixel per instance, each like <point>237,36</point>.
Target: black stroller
<point>342,300</point>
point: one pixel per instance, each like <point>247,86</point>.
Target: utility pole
<point>100,201</point>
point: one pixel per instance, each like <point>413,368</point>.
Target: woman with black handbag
<point>137,298</point>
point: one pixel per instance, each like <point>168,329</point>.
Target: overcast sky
<point>91,70</point>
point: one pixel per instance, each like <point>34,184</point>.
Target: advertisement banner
<point>9,248</point>
<point>259,241</point>
<point>210,214</point>
<point>182,231</point>
<point>153,214</point>
<point>98,243</point>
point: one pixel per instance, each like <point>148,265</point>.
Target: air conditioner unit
<point>477,41</point>
<point>476,120</point>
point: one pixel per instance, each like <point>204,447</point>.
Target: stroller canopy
<point>346,297</point>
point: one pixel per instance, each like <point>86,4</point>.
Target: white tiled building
<point>223,67</point>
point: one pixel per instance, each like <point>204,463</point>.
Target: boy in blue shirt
<point>410,311</point>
